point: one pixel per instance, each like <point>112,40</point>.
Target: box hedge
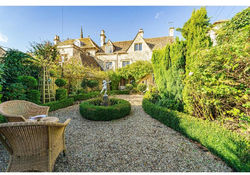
<point>231,147</point>
<point>92,109</point>
<point>118,92</point>
<point>59,104</point>
<point>85,96</point>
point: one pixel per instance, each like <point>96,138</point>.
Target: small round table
<point>45,119</point>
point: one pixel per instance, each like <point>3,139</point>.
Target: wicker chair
<point>20,110</point>
<point>33,146</point>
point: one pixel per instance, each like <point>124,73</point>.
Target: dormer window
<point>108,49</point>
<point>138,47</point>
<point>77,43</point>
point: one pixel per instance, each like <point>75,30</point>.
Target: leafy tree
<point>115,78</point>
<point>15,64</point>
<point>136,70</point>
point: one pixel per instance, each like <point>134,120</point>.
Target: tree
<point>15,64</point>
<point>44,55</point>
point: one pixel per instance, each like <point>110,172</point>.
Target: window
<point>138,46</point>
<point>125,63</point>
<point>109,49</point>
<point>108,65</point>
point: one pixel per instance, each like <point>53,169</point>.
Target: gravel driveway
<point>136,143</point>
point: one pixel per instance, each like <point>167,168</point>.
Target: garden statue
<point>105,88</point>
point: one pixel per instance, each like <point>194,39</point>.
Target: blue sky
<point>19,26</point>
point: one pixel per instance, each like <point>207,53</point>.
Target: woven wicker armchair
<point>20,110</point>
<point>33,146</point>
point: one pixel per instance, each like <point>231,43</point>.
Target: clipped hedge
<point>59,104</point>
<point>118,92</point>
<point>85,96</point>
<point>231,147</point>
<point>33,96</point>
<point>92,110</point>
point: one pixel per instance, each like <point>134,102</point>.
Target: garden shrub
<point>33,96</point>
<point>129,87</point>
<point>61,94</point>
<point>85,96</point>
<point>142,87</point>
<point>60,82</point>
<point>59,104</point>
<point>118,92</point>
<point>16,64</point>
<point>219,86</point>
<point>28,81</point>
<point>115,78</point>
<point>84,83</point>
<point>231,147</point>
<point>92,83</point>
<point>92,109</point>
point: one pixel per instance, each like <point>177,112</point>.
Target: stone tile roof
<point>159,42</point>
<point>87,43</point>
<point>2,52</point>
<point>88,60</point>
<point>153,43</point>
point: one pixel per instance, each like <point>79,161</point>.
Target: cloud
<point>158,14</point>
<point>3,38</point>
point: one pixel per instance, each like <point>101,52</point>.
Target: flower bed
<point>231,147</point>
<point>93,110</point>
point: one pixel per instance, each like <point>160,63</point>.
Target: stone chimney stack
<point>102,38</point>
<point>171,31</point>
<point>141,32</point>
<point>56,40</point>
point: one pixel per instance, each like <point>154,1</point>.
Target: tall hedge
<point>169,67</point>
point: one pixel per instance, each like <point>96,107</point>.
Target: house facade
<point>118,54</point>
<point>112,55</point>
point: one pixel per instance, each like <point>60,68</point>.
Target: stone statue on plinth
<point>105,88</point>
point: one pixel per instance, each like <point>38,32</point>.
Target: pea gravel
<point>136,143</point>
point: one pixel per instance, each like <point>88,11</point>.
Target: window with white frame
<point>125,63</point>
<point>138,46</point>
<point>108,65</point>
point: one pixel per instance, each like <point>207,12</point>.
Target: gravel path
<point>136,143</point>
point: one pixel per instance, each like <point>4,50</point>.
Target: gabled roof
<point>88,60</point>
<point>153,43</point>
<point>159,42</point>
<point>86,43</point>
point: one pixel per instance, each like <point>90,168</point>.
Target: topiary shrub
<point>60,82</point>
<point>28,81</point>
<point>61,94</point>
<point>129,87</point>
<point>93,110</point>
<point>142,87</point>
<point>33,96</point>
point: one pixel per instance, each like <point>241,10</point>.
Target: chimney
<point>171,31</point>
<point>141,32</point>
<point>102,37</point>
<point>56,40</point>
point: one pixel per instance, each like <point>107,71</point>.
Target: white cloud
<point>158,14</point>
<point>3,38</point>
